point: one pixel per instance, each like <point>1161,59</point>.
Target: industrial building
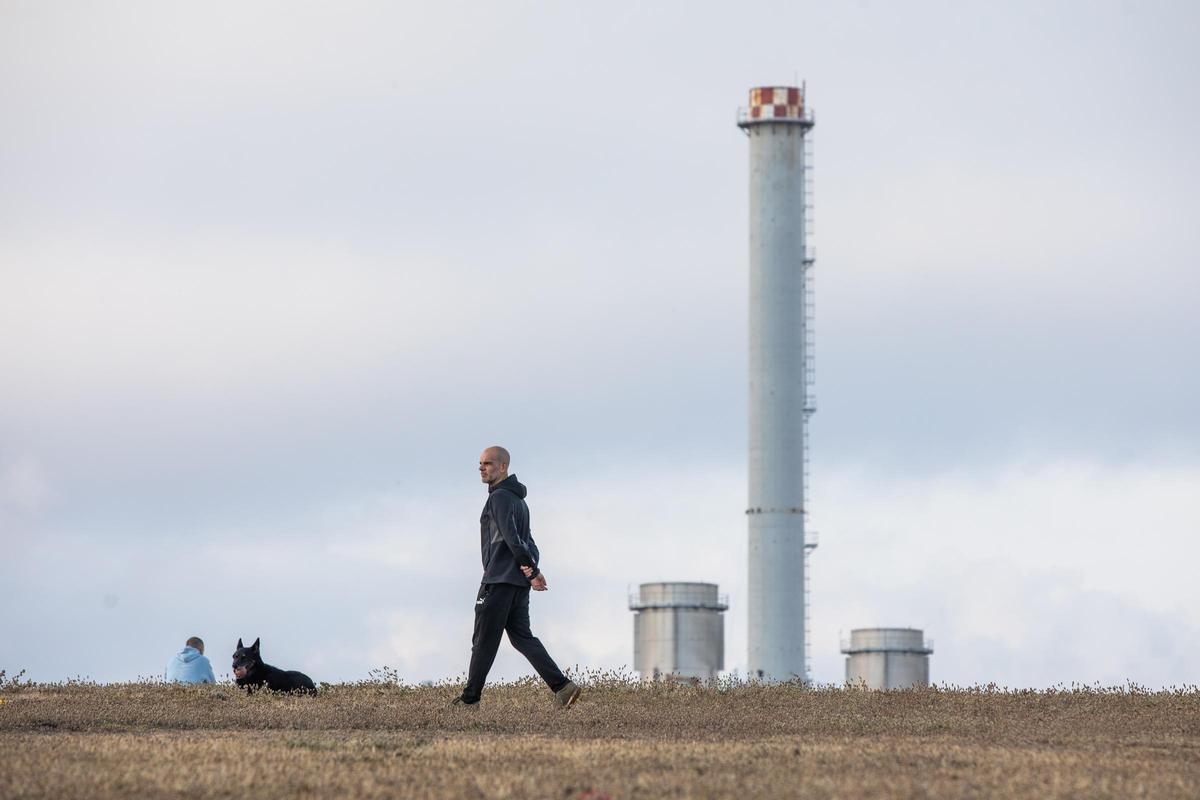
<point>679,627</point>
<point>678,630</point>
<point>887,658</point>
<point>777,124</point>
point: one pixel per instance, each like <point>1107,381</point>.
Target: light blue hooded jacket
<point>188,666</point>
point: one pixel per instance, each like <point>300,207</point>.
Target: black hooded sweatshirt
<point>504,539</point>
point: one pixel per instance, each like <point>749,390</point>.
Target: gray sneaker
<point>568,694</point>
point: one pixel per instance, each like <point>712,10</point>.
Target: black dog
<point>252,673</point>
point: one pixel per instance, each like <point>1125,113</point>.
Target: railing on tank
<point>849,648</point>
<point>638,603</point>
<point>745,118</point>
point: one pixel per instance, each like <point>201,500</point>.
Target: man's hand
<point>538,583</point>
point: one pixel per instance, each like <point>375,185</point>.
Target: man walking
<point>510,571</point>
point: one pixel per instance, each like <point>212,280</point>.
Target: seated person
<point>190,665</point>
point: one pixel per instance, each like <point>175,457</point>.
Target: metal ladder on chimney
<point>810,397</point>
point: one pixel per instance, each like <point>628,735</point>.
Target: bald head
<point>493,465</point>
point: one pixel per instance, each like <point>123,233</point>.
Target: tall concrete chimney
<point>777,125</point>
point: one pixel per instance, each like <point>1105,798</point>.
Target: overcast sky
<point>272,274</point>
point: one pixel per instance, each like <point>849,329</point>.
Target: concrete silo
<point>781,399</point>
<point>678,629</point>
<point>887,658</point>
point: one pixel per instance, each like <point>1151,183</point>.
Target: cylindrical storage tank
<point>887,658</point>
<point>777,123</point>
<point>678,630</point>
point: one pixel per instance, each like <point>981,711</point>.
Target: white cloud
<point>24,485</point>
<point>250,253</point>
<point>418,646</point>
<point>1033,574</point>
<point>1058,571</point>
<point>228,54</point>
<point>216,314</point>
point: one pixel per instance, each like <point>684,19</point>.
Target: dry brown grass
<point>383,740</point>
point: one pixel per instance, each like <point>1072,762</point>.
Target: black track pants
<point>501,607</point>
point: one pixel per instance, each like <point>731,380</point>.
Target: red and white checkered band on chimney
<point>776,102</point>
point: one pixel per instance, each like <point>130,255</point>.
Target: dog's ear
<point>240,645</point>
<point>255,645</point>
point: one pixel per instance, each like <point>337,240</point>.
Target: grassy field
<point>385,740</point>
